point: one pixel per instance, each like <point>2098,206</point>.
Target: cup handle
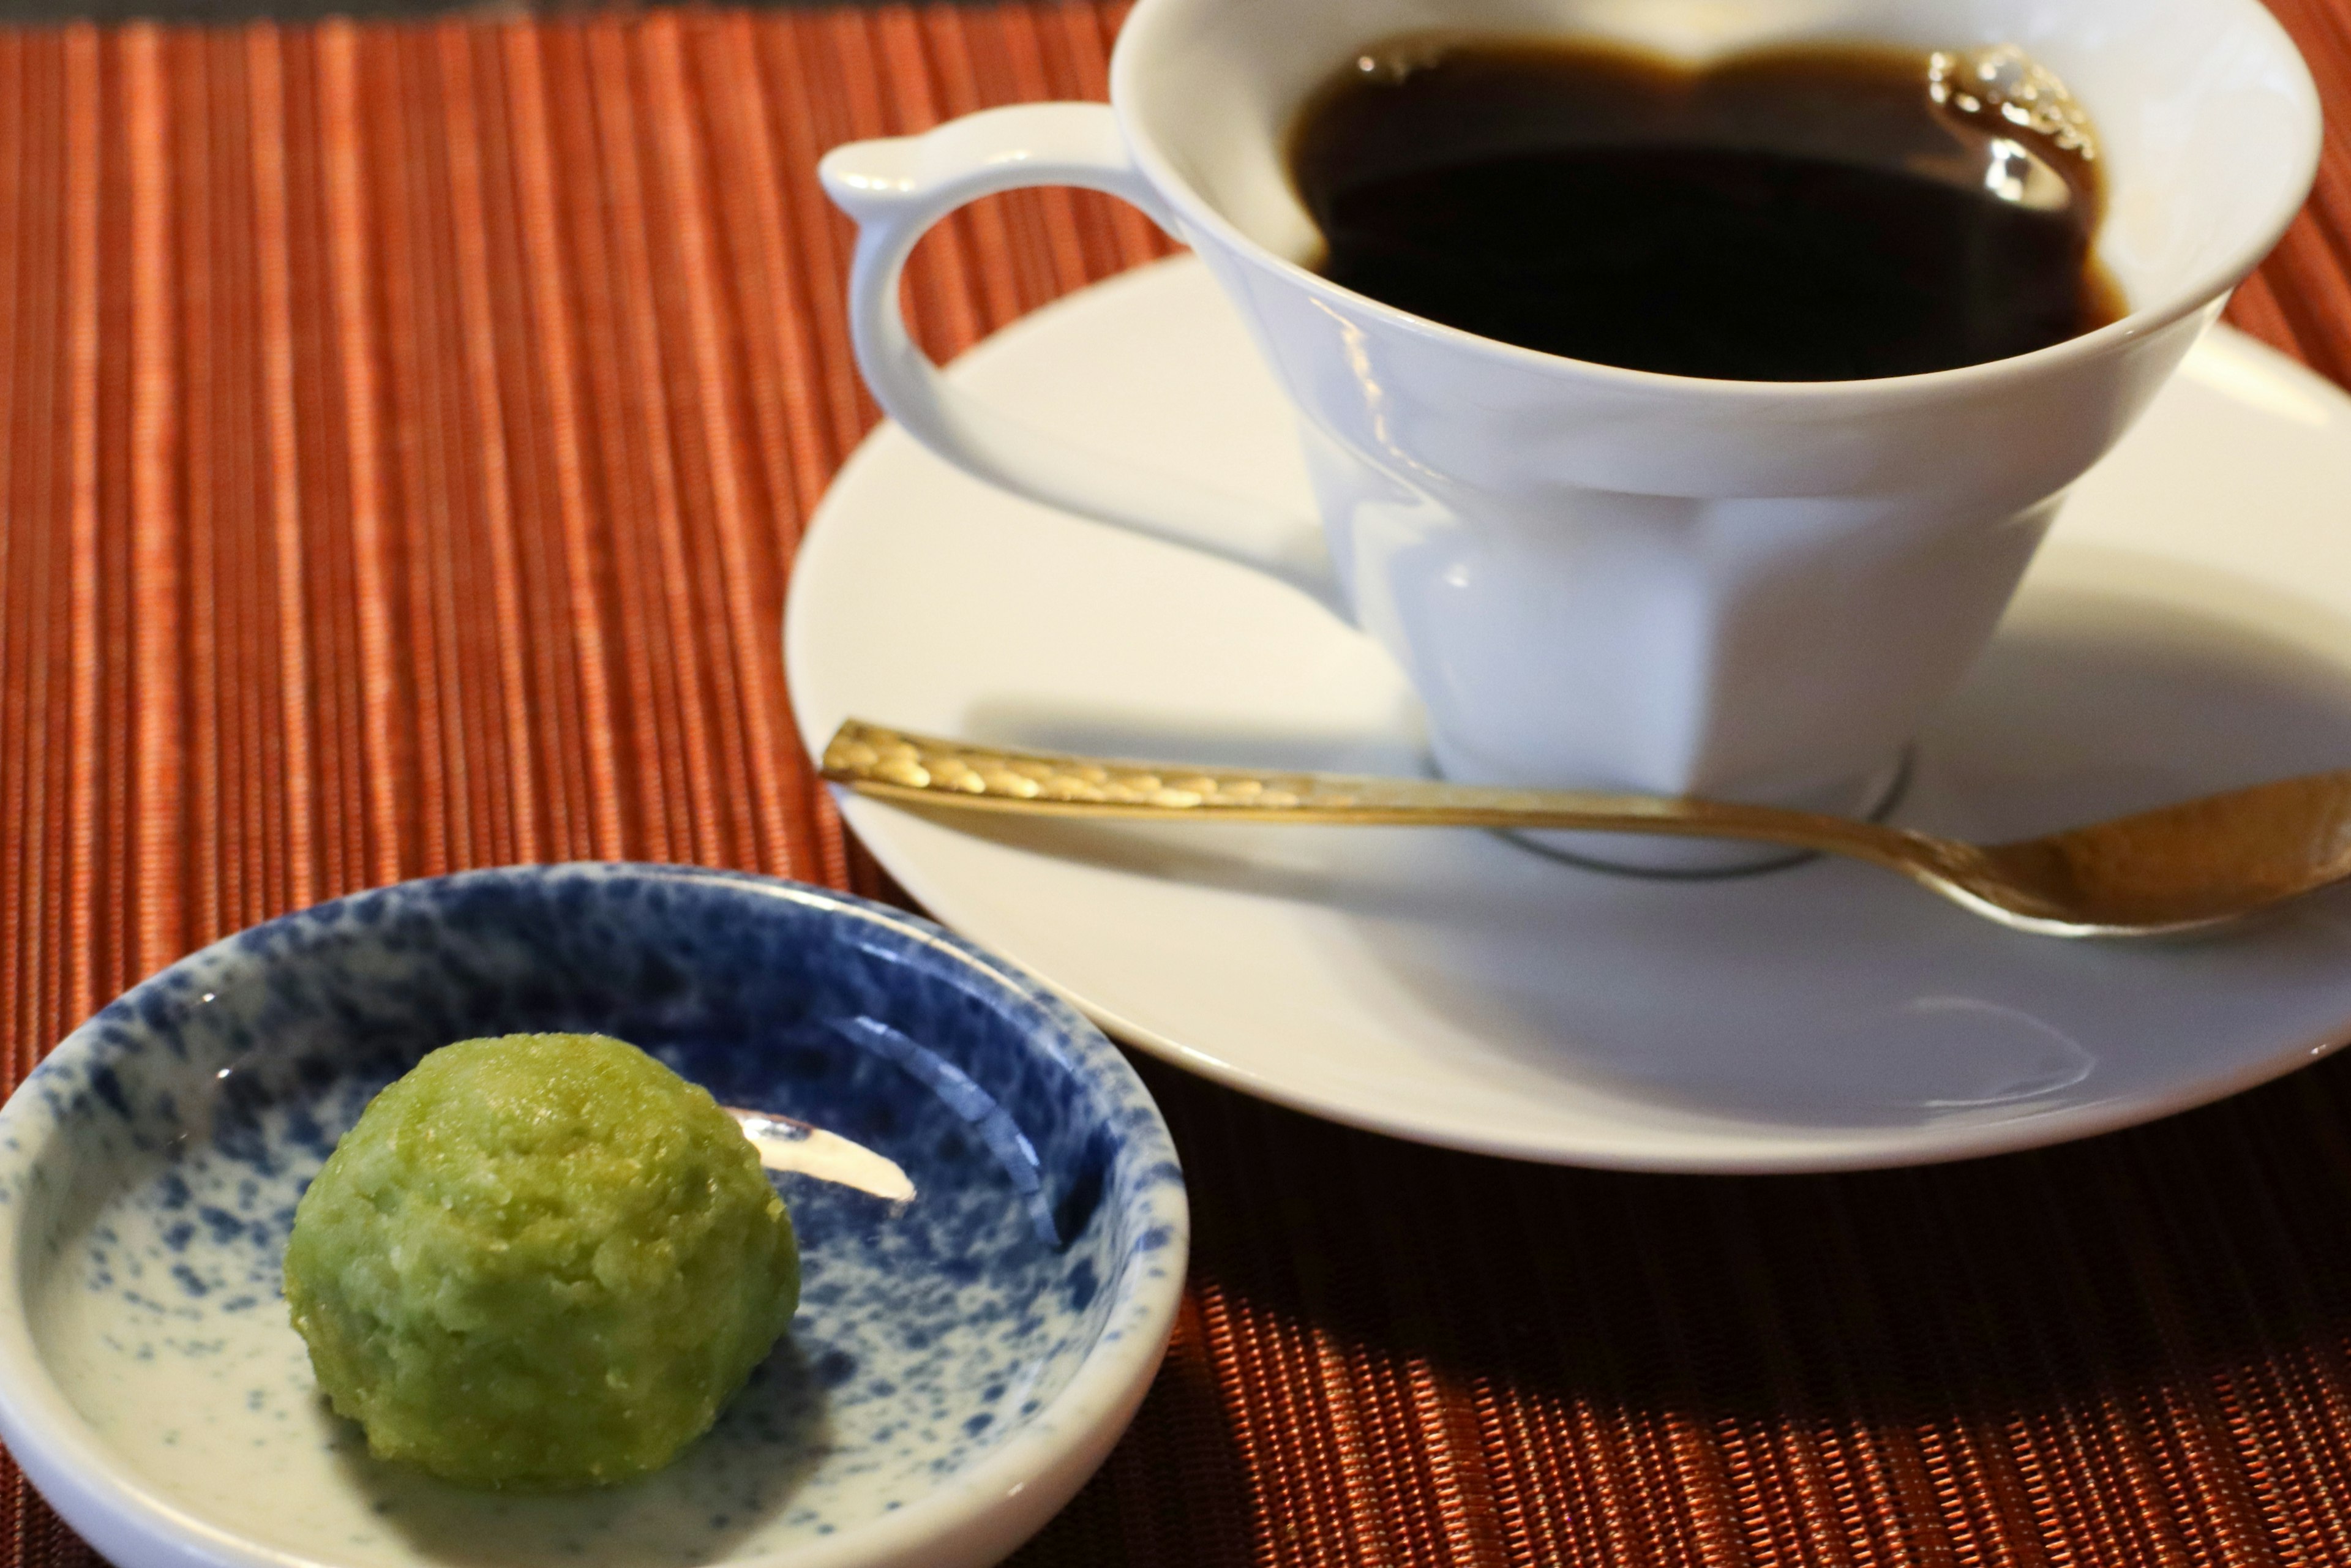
<point>896,188</point>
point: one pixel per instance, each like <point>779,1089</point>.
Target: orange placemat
<point>404,431</point>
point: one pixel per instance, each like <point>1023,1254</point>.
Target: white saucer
<point>2188,629</point>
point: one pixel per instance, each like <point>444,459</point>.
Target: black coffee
<point>1794,215</point>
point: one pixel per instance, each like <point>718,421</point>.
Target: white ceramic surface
<point>1599,577</point>
<point>2187,628</point>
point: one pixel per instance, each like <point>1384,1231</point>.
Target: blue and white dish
<point>960,1363</point>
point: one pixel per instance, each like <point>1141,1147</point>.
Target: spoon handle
<point>920,769</point>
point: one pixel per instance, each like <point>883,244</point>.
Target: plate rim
<point>972,1517</point>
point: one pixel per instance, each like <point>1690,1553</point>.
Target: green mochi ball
<point>538,1261</point>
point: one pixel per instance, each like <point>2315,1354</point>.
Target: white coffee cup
<point>1597,577</point>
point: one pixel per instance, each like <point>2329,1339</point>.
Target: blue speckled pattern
<point>179,1127</point>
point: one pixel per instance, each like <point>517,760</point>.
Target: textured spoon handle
<point>895,765</point>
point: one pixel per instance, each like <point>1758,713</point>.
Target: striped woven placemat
<point>404,433</point>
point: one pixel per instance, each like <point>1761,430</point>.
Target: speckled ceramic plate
<point>959,1366</point>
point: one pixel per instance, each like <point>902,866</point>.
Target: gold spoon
<point>2174,869</point>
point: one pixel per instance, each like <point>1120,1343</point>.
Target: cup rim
<point>1128,65</point>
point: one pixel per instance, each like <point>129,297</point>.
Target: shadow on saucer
<point>1119,734</point>
<point>2090,703</point>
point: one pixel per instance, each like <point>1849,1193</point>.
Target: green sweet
<point>541,1260</point>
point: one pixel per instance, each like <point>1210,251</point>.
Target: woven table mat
<point>404,433</point>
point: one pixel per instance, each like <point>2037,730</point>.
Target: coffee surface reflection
<point>1824,214</point>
